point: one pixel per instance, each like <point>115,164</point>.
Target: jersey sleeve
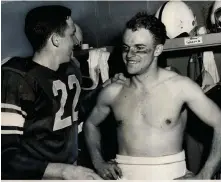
<point>16,99</point>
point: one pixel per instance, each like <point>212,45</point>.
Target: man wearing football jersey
<point>39,107</point>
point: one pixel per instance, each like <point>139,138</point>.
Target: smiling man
<point>150,113</point>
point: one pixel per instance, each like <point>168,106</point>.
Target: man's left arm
<point>210,113</point>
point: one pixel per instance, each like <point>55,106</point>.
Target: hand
<point>109,171</point>
<point>189,176</point>
<point>72,172</point>
<point>118,78</point>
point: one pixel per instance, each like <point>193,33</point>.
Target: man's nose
<point>131,53</point>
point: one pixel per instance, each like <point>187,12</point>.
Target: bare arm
<point>60,171</point>
<point>92,133</point>
<point>210,113</point>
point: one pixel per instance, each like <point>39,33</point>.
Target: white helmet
<point>78,33</point>
<point>177,17</point>
<point>215,16</point>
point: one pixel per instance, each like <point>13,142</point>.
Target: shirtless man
<point>148,109</point>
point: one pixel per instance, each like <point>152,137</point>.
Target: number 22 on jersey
<point>59,85</point>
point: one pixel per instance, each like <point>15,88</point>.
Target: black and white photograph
<point>111,90</point>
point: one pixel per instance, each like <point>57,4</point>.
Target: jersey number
<point>58,85</point>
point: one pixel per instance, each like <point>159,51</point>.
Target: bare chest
<point>157,108</point>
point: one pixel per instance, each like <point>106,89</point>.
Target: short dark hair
<point>151,23</point>
<point>42,21</point>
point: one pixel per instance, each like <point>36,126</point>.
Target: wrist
<point>204,175</point>
<point>66,171</point>
<point>97,163</point>
<point>54,171</point>
<point>63,172</point>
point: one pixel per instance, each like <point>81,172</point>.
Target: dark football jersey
<point>40,118</point>
<point>87,98</point>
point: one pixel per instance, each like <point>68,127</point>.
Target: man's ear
<point>158,50</point>
<point>55,39</point>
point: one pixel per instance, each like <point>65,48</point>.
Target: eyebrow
<point>135,45</point>
<point>140,45</point>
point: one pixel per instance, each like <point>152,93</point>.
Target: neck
<point>47,58</point>
<point>148,77</point>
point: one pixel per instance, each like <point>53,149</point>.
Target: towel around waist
<point>179,157</point>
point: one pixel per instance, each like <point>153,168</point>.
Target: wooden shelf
<point>208,40</point>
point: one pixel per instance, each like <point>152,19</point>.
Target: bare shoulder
<point>187,87</point>
<point>186,83</point>
<point>182,85</point>
<point>110,93</point>
<point>171,77</point>
<point>176,78</point>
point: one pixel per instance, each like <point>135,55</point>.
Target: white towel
<point>98,63</point>
<point>152,168</point>
<point>210,65</point>
<point>103,65</point>
<point>93,64</point>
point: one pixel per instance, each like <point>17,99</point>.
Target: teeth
<point>132,62</point>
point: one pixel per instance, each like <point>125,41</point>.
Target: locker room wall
<point>102,23</point>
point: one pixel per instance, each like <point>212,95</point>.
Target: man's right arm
<point>92,133</point>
